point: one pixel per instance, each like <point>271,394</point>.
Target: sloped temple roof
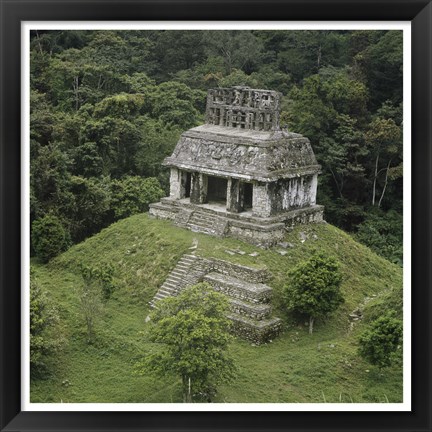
<point>242,139</point>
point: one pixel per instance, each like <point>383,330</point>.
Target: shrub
<point>43,321</point>
<point>380,342</point>
<point>49,237</point>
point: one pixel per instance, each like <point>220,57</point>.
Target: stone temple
<point>240,174</point>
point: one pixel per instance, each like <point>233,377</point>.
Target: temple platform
<point>213,219</point>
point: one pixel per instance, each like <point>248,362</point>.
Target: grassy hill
<point>295,367</point>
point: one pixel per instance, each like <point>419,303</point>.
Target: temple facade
<point>240,174</point>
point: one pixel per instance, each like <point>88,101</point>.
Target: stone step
<point>167,289</point>
<point>170,285</point>
<point>239,289</point>
<point>187,259</point>
<point>255,311</point>
<point>202,225</point>
<point>180,271</point>
<point>253,330</point>
<point>201,221</point>
<point>165,293</point>
<point>200,229</point>
<point>175,278</point>
<point>203,216</point>
<point>248,274</point>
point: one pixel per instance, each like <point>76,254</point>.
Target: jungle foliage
<point>108,106</point>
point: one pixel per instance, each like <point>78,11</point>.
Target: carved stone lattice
<point>243,108</point>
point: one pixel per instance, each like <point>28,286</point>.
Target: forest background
<point>108,106</point>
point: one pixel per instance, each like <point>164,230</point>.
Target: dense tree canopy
<point>110,105</point>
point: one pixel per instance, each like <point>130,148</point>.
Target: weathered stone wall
<point>261,200</point>
<point>161,211</point>
<point>305,216</point>
<point>243,327</point>
<point>295,193</point>
<point>256,312</point>
<point>239,289</point>
<point>255,235</point>
<point>248,274</point>
<point>313,189</point>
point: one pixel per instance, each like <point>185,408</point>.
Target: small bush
<point>43,318</point>
<point>49,237</point>
<point>380,342</point>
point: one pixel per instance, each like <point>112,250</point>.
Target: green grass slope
<point>295,367</point>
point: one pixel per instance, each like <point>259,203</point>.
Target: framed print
<point>215,215</point>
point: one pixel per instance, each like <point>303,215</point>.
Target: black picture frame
<point>13,12</point>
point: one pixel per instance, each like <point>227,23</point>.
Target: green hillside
<point>295,367</point>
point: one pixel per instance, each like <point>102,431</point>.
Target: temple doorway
<point>217,189</point>
<point>188,184</point>
<point>247,196</point>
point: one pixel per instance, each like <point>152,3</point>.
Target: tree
<point>157,141</point>
<point>380,342</point>
<point>385,138</point>
<point>383,233</point>
<point>192,330</point>
<point>97,286</point>
<point>91,205</point>
<point>133,194</point>
<point>314,288</point>
<point>239,49</point>
<point>43,319</point>
<point>49,237</point>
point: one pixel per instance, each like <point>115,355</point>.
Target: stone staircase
<point>178,278</point>
<point>207,223</point>
<point>249,298</point>
<point>182,217</point>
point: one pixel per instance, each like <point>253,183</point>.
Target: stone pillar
<point>261,200</point>
<point>313,189</point>
<point>175,183</point>
<point>234,196</point>
<point>198,188</point>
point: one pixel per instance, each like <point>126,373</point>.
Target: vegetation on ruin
<point>295,367</point>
